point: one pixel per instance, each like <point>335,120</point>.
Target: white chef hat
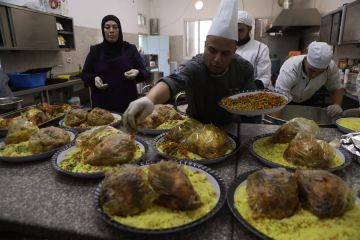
<point>245,18</point>
<point>319,55</point>
<point>224,23</point>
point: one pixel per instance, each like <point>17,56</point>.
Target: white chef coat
<point>257,54</point>
<point>293,81</point>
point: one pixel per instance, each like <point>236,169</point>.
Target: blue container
<point>27,80</point>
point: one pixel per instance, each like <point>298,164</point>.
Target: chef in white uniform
<point>255,52</point>
<point>301,76</point>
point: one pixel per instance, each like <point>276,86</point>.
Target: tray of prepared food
<point>306,204</point>
<point>98,150</point>
<point>253,103</point>
<point>295,146</point>
<point>41,115</point>
<point>159,197</point>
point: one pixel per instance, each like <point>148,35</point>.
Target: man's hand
<point>131,74</point>
<point>334,110</point>
<point>100,84</point>
<point>137,111</point>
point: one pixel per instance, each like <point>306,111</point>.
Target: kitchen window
<point>195,36</point>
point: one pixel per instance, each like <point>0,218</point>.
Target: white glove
<point>131,74</point>
<point>334,110</point>
<point>99,83</point>
<point>137,111</point>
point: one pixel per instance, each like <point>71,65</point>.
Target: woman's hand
<point>100,84</point>
<point>131,74</point>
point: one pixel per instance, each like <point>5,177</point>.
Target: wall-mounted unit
<point>330,27</point>
<point>350,32</point>
<point>154,26</point>
<point>27,29</point>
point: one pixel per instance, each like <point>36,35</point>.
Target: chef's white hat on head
<point>225,21</point>
<point>245,18</point>
<point>319,55</point>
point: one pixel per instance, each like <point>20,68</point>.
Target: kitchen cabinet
<point>350,32</point>
<point>27,29</point>
<point>5,37</point>
<point>330,27</point>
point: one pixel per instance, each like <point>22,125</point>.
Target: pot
<point>10,103</point>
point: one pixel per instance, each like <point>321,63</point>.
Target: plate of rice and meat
<point>98,150</point>
<point>25,142</point>
<point>308,204</point>
<point>161,198</point>
<point>162,119</point>
<point>292,157</point>
<point>194,141</point>
<point>253,103</point>
<point>348,125</point>
<point>81,120</point>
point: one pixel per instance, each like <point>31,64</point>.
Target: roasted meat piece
<point>272,193</point>
<point>99,117</point>
<point>90,138</point>
<point>306,150</point>
<point>169,180</point>
<point>117,148</point>
<point>20,129</point>
<point>47,139</point>
<point>324,194</point>
<point>161,114</point>
<point>126,191</point>
<point>75,117</point>
<point>289,130</point>
<point>36,116</point>
<point>51,110</point>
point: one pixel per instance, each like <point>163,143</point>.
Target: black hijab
<point>112,49</point>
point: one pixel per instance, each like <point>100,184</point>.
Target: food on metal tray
<point>99,149</point>
<point>189,190</point>
<point>75,117</point>
<point>322,196</point>
<point>99,117</point>
<point>256,101</point>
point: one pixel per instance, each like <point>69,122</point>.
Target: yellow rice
<point>303,225</point>
<point>350,123</point>
<point>274,153</point>
<point>74,161</point>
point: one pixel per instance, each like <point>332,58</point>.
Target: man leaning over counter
<point>301,76</point>
<point>206,78</point>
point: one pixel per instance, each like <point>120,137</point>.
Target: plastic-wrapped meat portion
<point>272,193</point>
<point>19,130</point>
<point>289,130</point>
<point>306,150</point>
<point>324,194</point>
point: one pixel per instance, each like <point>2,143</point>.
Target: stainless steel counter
<point>38,201</point>
<point>44,90</point>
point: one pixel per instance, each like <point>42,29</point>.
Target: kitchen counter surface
<point>38,201</point>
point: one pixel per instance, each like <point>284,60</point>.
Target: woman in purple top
<point>112,69</point>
